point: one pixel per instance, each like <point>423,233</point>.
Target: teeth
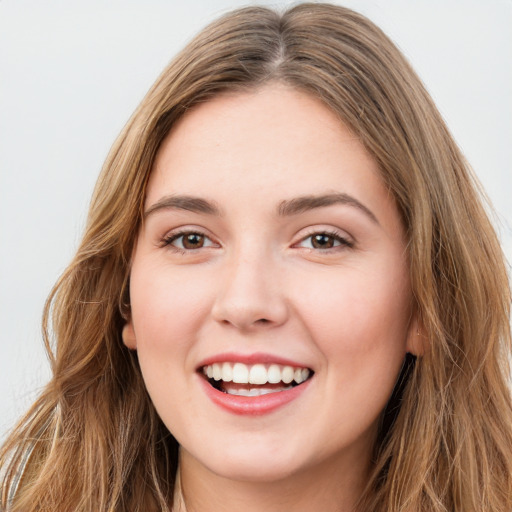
<point>287,374</point>
<point>227,372</point>
<point>217,371</point>
<point>240,373</point>
<point>255,391</point>
<point>258,374</point>
<point>274,374</point>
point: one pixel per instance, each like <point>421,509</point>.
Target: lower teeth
<point>255,391</point>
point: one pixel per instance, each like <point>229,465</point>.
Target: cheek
<point>359,319</point>
<point>167,311</point>
<point>167,306</point>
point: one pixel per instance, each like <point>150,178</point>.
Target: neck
<point>330,487</point>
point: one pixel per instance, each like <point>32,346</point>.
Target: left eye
<point>189,241</point>
<point>323,241</point>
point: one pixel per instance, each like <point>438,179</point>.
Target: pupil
<point>323,241</point>
<point>193,241</point>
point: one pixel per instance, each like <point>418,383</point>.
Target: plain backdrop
<point>72,72</point>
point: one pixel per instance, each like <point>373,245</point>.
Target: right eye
<point>188,241</point>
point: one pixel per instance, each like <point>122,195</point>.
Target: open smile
<point>254,380</point>
<point>253,389</point>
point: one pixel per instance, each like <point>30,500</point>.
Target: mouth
<point>241,379</point>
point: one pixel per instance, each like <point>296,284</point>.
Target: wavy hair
<point>93,441</point>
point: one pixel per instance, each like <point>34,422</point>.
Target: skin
<point>259,285</point>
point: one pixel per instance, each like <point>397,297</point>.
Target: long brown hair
<point>93,440</point>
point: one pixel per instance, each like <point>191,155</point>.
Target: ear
<point>128,335</point>
<point>417,337</point>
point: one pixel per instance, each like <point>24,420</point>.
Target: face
<point>271,305</point>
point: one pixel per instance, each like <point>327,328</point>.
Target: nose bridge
<point>251,294</point>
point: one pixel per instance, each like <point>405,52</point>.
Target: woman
<point>288,295</point>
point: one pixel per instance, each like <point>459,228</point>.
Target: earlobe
<point>128,335</point>
<point>417,337</point>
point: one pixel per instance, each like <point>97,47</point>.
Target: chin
<point>259,464</point>
<point>255,472</point>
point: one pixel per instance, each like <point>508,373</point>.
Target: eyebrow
<point>189,203</point>
<point>305,203</point>
<point>286,208</point>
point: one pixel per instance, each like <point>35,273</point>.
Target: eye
<point>324,240</point>
<point>188,241</point>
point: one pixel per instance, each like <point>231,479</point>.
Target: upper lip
<point>250,359</point>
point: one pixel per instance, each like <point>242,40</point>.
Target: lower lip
<point>253,405</point>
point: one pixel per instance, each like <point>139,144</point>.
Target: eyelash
<point>168,241</point>
<point>338,238</point>
<point>335,235</point>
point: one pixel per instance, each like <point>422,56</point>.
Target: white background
<point>71,73</point>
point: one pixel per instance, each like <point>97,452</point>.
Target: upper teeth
<point>241,373</point>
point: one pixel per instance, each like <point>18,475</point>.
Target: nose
<point>251,295</point>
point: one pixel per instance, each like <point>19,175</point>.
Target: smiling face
<point>272,260</point>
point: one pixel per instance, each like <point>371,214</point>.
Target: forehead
<point>269,145</point>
